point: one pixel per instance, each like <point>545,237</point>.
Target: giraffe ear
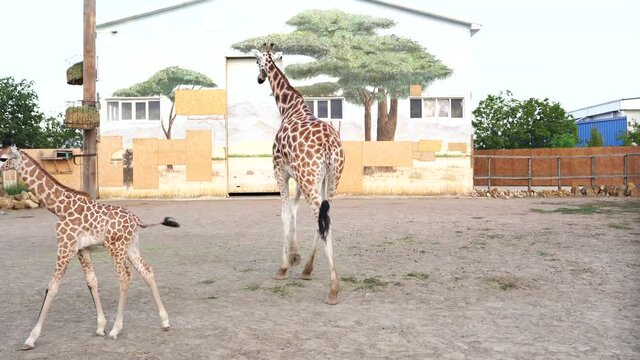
<point>256,53</point>
<point>277,56</point>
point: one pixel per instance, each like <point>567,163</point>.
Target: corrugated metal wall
<point>609,128</point>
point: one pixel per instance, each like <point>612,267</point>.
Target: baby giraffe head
<point>10,158</point>
<point>261,59</point>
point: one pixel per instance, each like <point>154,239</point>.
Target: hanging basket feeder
<point>74,74</point>
<point>82,117</point>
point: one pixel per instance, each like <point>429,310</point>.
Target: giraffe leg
<point>290,254</point>
<point>145,270</point>
<point>332,298</point>
<point>124,275</point>
<point>62,262</point>
<point>308,267</point>
<point>294,256</point>
<point>84,256</point>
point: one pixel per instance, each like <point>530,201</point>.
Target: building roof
<point>473,27</point>
<point>607,107</point>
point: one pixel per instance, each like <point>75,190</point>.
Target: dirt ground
<point>422,278</point>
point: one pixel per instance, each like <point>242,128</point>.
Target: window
<point>133,109</point>
<point>325,108</point>
<point>436,108</point>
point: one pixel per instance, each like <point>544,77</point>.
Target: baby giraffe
<point>83,223</point>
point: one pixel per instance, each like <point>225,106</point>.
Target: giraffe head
<point>10,158</point>
<point>262,57</point>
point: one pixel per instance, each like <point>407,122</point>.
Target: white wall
<point>200,37</point>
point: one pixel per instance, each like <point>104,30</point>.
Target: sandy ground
<point>428,278</point>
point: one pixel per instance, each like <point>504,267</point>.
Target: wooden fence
<point>557,167</point>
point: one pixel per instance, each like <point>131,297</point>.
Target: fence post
<point>529,175</point>
<point>559,183</point>
<point>625,170</point>
<point>489,179</point>
<point>593,170</point>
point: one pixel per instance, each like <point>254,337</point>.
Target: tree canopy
<point>503,122</point>
<point>632,136</point>
<point>23,122</point>
<point>346,47</point>
<point>165,81</point>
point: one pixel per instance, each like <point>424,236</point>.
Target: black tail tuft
<point>169,221</point>
<point>323,219</point>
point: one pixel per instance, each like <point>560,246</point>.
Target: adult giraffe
<point>83,223</point>
<point>309,151</point>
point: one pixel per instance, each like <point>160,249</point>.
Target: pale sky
<point>578,53</point>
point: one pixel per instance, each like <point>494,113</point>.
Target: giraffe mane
<point>55,181</point>
<point>284,77</point>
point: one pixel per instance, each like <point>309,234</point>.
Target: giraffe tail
<point>323,220</point>
<point>168,221</point>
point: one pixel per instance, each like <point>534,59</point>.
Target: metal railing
<point>558,177</point>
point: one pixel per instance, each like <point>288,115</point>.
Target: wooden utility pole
<point>89,170</point>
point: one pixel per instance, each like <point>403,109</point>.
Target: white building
<point>198,35</point>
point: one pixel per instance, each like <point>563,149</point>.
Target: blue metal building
<point>611,119</point>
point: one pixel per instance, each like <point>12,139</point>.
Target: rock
<point>575,190</point>
<point>6,203</point>
<point>31,204</point>
<point>635,192</point>
<point>590,192</point>
<point>19,205</point>
<point>24,195</point>
<point>33,198</point>
<point>612,190</point>
<point>621,190</point>
<point>630,187</point>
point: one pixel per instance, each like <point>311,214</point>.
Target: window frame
<point>134,102</point>
<point>329,100</point>
<point>436,107</point>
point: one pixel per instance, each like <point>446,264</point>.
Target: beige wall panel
<point>351,180</point>
<point>199,148</point>
<point>201,102</point>
<point>145,164</point>
<point>430,145</point>
<point>415,90</point>
<point>387,153</point>
<point>457,146</point>
<point>172,152</point>
<point>109,175</point>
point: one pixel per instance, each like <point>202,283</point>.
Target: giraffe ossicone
<point>82,224</point>
<point>309,151</point>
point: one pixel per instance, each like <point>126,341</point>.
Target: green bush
<point>16,189</point>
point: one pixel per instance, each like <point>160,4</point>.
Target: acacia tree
<point>504,122</point>
<point>23,122</point>
<point>165,82</point>
<point>367,67</point>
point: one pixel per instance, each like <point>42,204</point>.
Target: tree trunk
<point>167,130</point>
<point>367,120</point>
<point>387,121</point>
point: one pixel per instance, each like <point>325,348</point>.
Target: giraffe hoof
<point>99,333</point>
<point>26,347</point>
<point>331,300</point>
<point>113,336</point>
<point>281,274</point>
<point>294,259</point>
<point>166,328</point>
<point>305,276</point>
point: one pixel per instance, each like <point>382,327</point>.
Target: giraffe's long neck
<point>288,99</point>
<point>47,189</point>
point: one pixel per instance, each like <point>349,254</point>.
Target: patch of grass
<point>544,253</point>
<point>15,189</point>
<point>620,226</point>
<point>504,283</point>
<point>252,287</point>
<point>349,279</point>
<point>597,207</point>
<point>246,270</point>
<point>208,281</point>
<point>372,283</point>
<point>249,155</point>
<point>212,297</point>
<point>283,290</point>
<point>418,275</point>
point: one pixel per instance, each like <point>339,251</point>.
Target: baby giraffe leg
<point>124,275</point>
<point>62,262</point>
<point>92,282</point>
<point>146,272</point>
